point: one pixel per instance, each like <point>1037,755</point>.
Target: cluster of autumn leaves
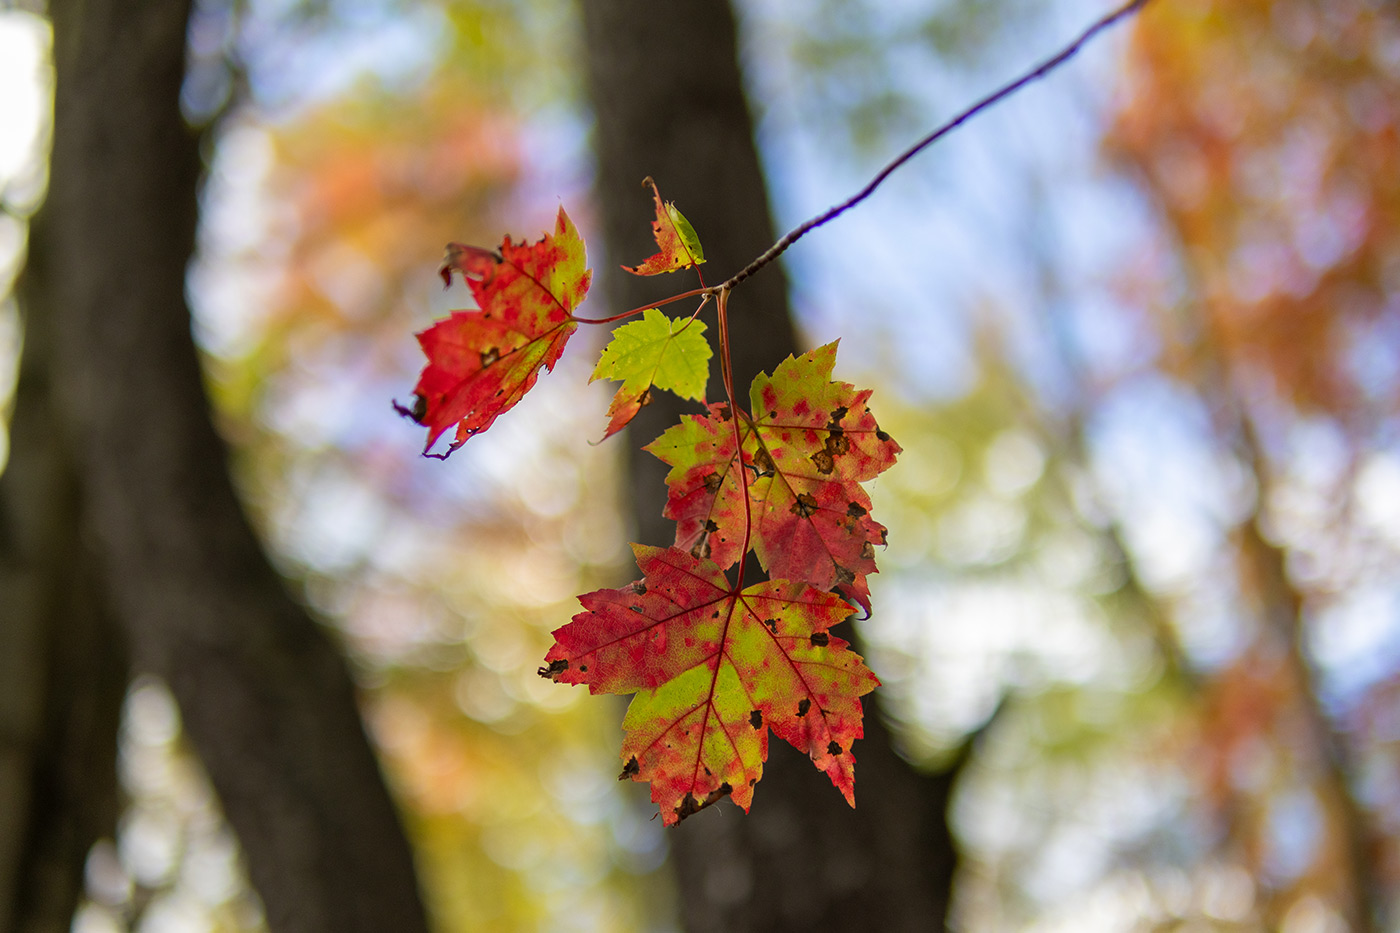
<point>714,665</point>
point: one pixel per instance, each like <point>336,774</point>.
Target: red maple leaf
<point>808,445</point>
<point>480,363</point>
<point>714,668</point>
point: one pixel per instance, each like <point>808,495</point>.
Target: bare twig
<point>1040,71</point>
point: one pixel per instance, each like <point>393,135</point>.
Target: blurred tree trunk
<point>669,101</point>
<point>116,453</point>
<point>63,670</point>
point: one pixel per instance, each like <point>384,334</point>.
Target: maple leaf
<point>657,351</point>
<point>480,363</point>
<point>676,240</point>
<point>808,444</point>
<point>714,668</point>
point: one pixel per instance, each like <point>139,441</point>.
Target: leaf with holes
<point>714,668</point>
<point>655,352</point>
<point>807,446</point>
<point>480,363</point>
<point>676,241</point>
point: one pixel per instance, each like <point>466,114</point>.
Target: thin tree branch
<point>1040,71</point>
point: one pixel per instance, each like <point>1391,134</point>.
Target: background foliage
<point>1136,331</point>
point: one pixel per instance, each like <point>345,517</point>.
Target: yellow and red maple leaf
<point>481,362</point>
<point>678,245</point>
<point>714,668</point>
<point>808,444</point>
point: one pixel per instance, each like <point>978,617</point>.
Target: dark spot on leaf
<point>489,356</point>
<point>837,443</point>
<point>636,609</point>
<point>763,463</point>
<point>708,772</point>
<point>838,414</point>
<point>833,749</point>
<point>881,435</point>
<point>756,719</point>
<point>701,548</point>
<point>753,781</point>
<point>710,526</point>
<point>856,510</point>
<point>583,668</point>
<point>417,413</point>
<point>689,805</point>
<point>821,639</point>
<point>772,625</point>
<point>640,588</point>
<point>555,668</point>
<point>772,414</point>
<point>804,505</point>
<point>645,398</point>
<point>867,551</point>
<point>629,769</point>
<point>803,706</point>
<point>711,482</point>
<point>823,460</point>
<point>845,577</point>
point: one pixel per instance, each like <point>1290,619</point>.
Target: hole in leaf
<point>555,668</point>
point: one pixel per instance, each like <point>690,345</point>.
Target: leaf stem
<point>1040,71</point>
<point>727,373</point>
<point>647,307</point>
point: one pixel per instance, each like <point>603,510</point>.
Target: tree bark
<point>266,698</point>
<point>669,101</point>
<point>63,670</point>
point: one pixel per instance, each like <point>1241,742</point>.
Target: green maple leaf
<point>655,352</point>
<point>714,668</point>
